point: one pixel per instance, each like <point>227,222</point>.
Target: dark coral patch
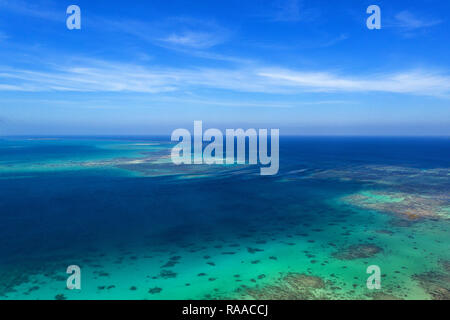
<point>254,250</point>
<point>169,264</point>
<point>154,290</point>
<point>167,274</point>
<point>357,252</point>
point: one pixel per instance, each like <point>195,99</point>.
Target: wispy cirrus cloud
<point>420,82</point>
<point>183,34</point>
<point>409,24</point>
<point>198,40</point>
<point>409,21</point>
<point>290,11</point>
<point>171,33</point>
<point>29,9</point>
<point>104,76</point>
<point>287,10</point>
<point>191,33</point>
<point>333,41</point>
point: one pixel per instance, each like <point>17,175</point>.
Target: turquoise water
<point>141,228</point>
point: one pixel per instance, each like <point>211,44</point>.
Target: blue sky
<point>148,67</point>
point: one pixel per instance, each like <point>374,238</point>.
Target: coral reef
<point>357,252</point>
<point>436,284</point>
<point>380,295</point>
<point>292,286</point>
<point>155,290</point>
<point>409,206</point>
<point>410,193</point>
<point>166,274</point>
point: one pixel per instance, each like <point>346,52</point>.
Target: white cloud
<point>409,21</point>
<point>289,11</point>
<point>199,40</point>
<point>101,76</point>
<point>31,9</point>
<point>172,33</point>
<point>332,42</point>
<point>421,82</point>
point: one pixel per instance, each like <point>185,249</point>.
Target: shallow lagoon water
<point>142,228</point>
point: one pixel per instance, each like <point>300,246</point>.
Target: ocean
<point>140,227</point>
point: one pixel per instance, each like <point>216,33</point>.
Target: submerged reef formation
<point>406,206</point>
<point>445,265</point>
<point>379,295</point>
<point>357,252</point>
<point>10,279</point>
<point>386,175</point>
<point>292,286</point>
<point>154,290</point>
<point>149,159</point>
<point>436,283</point>
<point>409,193</point>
